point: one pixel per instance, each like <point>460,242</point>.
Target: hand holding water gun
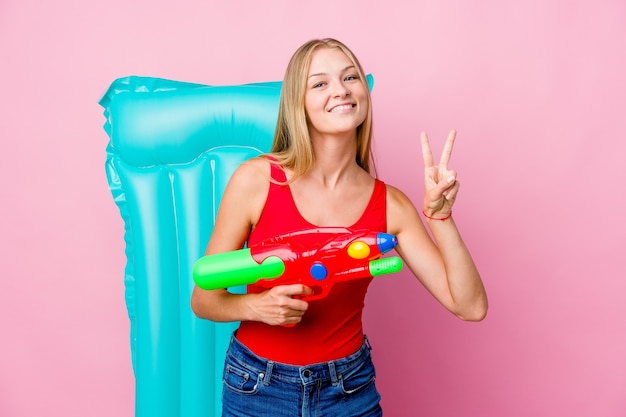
<point>282,260</point>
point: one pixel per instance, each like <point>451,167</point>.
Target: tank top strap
<point>276,171</point>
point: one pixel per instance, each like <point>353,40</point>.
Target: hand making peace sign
<point>440,184</point>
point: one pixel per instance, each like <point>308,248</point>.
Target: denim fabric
<point>258,387</point>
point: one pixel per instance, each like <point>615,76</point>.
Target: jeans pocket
<point>240,380</point>
<point>358,378</point>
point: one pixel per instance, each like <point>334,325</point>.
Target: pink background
<point>537,91</point>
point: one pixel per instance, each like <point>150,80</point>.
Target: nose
<point>340,89</point>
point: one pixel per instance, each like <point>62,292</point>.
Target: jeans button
<point>306,373</point>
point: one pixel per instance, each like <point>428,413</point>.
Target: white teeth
<point>341,108</point>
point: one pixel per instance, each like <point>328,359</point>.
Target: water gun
<point>286,259</point>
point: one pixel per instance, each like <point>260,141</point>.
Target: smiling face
<point>336,97</point>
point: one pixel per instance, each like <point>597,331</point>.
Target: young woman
<point>291,357</point>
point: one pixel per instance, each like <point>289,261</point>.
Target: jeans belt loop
<point>268,372</point>
<point>367,343</point>
<point>333,373</point>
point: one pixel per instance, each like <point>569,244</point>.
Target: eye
<point>318,84</point>
<point>351,77</point>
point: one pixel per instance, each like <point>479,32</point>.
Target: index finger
<point>447,149</point>
<point>294,289</point>
<point>427,154</point>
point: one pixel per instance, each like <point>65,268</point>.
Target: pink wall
<point>537,90</point>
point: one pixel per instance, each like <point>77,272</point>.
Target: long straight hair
<point>292,147</point>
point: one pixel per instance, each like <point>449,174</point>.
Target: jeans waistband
<point>267,369</point>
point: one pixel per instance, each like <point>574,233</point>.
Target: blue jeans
<point>258,387</point>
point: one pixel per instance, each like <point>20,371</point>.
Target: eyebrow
<point>323,73</point>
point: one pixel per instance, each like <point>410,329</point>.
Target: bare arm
<point>240,209</point>
<point>444,266</point>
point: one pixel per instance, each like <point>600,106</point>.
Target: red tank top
<point>332,327</point>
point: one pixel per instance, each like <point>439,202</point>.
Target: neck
<point>335,160</point>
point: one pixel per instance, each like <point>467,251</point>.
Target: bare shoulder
<point>249,181</point>
<point>247,189</point>
<point>396,198</point>
<point>400,210</point>
<point>252,173</point>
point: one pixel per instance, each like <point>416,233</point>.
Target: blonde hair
<point>292,146</point>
